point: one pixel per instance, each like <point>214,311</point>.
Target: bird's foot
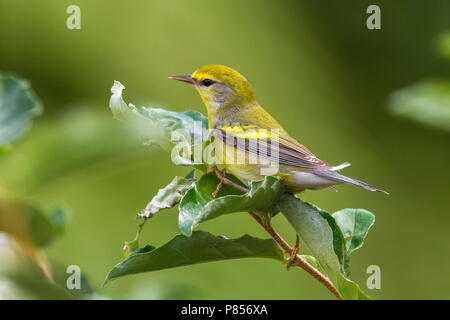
<point>293,254</point>
<point>224,180</point>
<point>221,175</point>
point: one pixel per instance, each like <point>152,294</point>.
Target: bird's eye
<point>207,82</point>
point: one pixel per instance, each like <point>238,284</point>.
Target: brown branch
<point>224,180</point>
<point>296,259</point>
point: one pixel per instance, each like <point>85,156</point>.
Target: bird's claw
<point>221,175</point>
<point>224,180</point>
<point>293,254</point>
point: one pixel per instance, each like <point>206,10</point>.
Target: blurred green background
<point>312,64</point>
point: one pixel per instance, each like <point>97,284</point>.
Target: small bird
<point>234,112</point>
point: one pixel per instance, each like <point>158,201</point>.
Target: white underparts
<point>308,180</point>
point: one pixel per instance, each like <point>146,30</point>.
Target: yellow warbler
<point>242,124</point>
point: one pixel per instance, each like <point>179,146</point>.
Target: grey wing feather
<point>289,152</point>
<point>333,175</point>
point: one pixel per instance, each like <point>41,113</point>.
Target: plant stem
<point>298,260</point>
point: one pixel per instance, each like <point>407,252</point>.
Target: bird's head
<point>219,86</point>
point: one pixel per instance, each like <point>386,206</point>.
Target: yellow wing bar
<point>289,151</point>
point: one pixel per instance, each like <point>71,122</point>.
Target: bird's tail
<point>333,175</point>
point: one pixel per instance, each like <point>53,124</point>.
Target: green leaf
<point>338,238</point>
<point>427,102</point>
<point>59,218</point>
<point>199,248</point>
<point>29,223</point>
<point>45,227</point>
<point>199,205</point>
<point>317,236</point>
<point>354,225</point>
<point>181,133</point>
<point>39,224</point>
<point>18,105</point>
<point>167,197</point>
<point>349,227</point>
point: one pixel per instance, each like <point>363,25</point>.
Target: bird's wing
<point>290,152</point>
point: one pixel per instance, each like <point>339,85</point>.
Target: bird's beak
<point>185,78</point>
